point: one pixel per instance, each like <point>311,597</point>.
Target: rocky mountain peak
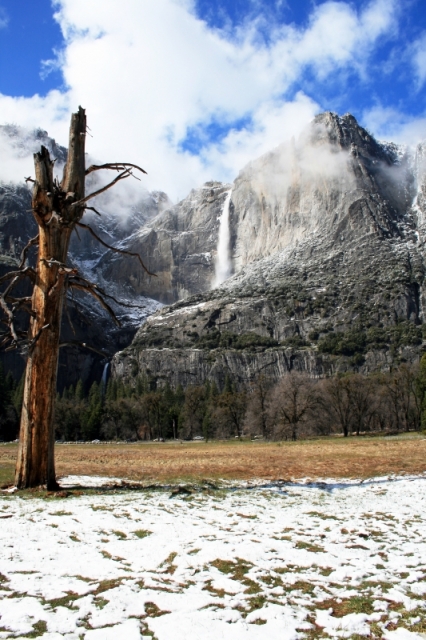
<point>28,141</point>
<point>345,133</point>
<point>328,264</point>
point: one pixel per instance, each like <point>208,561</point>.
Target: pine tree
<point>92,420</point>
<point>79,391</point>
<point>214,391</point>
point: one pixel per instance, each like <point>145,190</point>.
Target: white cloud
<point>389,123</point>
<point>147,71</point>
<point>419,60</point>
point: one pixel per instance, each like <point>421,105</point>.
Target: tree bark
<point>56,216</point>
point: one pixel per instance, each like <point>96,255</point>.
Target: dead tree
<point>58,208</point>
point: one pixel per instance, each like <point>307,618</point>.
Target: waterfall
<point>223,268</point>
<point>104,379</point>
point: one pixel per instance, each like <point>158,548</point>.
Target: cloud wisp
<point>4,18</point>
<point>419,60</point>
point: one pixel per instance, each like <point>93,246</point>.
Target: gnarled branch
<point>93,209</point>
<point>122,176</point>
<point>28,272</point>
<point>27,247</point>
<point>114,166</point>
<point>10,322</point>
<point>76,343</point>
<point>84,285</point>
<point>115,249</point>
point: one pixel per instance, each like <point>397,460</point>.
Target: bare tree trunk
<point>56,215</point>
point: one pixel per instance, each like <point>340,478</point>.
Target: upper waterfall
<point>223,267</point>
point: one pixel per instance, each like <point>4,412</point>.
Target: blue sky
<point>204,86</point>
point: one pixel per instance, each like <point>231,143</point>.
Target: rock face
<point>327,245</point>
<point>178,246</point>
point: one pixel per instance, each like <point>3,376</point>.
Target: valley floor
<point>353,457</point>
<point>337,559</point>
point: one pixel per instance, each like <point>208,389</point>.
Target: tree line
<point>296,406</point>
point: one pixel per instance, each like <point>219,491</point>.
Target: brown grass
<point>160,462</point>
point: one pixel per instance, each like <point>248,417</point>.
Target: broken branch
<point>93,209</point>
<point>122,176</point>
<point>115,249</point>
<point>92,289</point>
<point>25,250</point>
<point>33,342</point>
<point>22,273</point>
<point>76,343</point>
<point>114,166</point>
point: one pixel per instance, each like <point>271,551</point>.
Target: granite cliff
<point>178,245</point>
<point>326,243</point>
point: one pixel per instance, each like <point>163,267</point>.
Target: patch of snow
<point>402,634</point>
<point>252,561</point>
<point>88,481</point>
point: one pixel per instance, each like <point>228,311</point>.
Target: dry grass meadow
<point>195,461</point>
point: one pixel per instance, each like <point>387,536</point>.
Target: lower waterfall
<point>104,379</point>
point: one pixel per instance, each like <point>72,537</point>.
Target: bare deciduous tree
<point>257,419</point>
<point>294,399</point>
<point>361,401</point>
<point>336,403</point>
<point>230,412</point>
<point>57,208</point>
<point>193,411</point>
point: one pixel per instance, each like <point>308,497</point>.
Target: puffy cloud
<point>389,123</point>
<point>148,72</point>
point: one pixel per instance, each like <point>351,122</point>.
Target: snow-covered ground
<point>288,561</point>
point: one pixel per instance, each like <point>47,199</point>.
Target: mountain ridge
<point>344,261</point>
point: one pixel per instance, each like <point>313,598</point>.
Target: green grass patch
<point>167,564</point>
<point>301,585</point>
<point>356,604</point>
<point>152,611</point>
<point>313,548</point>
<point>142,533</point>
<point>237,570</point>
<point>66,601</point>
<point>100,602</point>
<point>120,534</point>
<point>39,629</point>
<point>106,585</point>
